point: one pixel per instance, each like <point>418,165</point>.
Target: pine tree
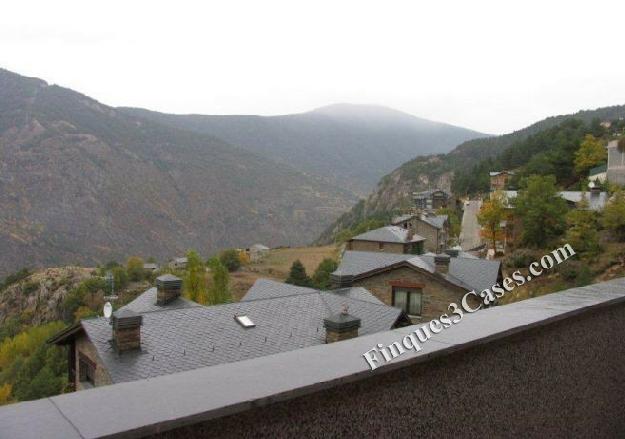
<point>298,276</point>
<point>321,277</point>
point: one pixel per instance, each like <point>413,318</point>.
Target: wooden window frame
<point>411,289</point>
<point>86,369</point>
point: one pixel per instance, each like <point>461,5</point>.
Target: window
<point>245,321</point>
<point>86,370</point>
<point>408,299</point>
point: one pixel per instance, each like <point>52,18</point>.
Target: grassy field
<point>277,265</point>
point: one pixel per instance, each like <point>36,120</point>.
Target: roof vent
<point>244,321</point>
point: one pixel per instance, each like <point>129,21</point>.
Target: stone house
<point>499,180</point>
<point>161,333</point>
<point>421,286</point>
<point>616,163</point>
<point>388,239</point>
<point>257,252</point>
<point>431,200</point>
<point>434,228</point>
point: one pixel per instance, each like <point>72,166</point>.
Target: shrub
<point>520,258</point>
<point>230,259</point>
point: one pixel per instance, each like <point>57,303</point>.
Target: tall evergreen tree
<point>298,276</point>
<point>321,276</point>
<point>541,209</point>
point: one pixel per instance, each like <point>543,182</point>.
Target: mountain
<point>349,145</point>
<point>81,182</point>
<point>394,190</point>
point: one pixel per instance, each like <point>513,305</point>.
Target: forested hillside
<point>546,147</point>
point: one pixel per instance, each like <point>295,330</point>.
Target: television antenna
<point>110,280</point>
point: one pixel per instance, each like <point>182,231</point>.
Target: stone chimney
<point>168,288</point>
<point>126,330</point>
<point>441,262</point>
<point>341,326</point>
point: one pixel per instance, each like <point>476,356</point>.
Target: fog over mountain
<point>350,145</point>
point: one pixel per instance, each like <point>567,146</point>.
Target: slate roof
<point>428,193</point>
<point>146,302</point>
<point>495,173</point>
<point>392,234</point>
<point>468,273</point>
<point>267,289</point>
<point>437,221</point>
<point>193,336</point>
<point>595,201</point>
<point>402,218</point>
<point>598,170</point>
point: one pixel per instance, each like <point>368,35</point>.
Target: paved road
<point>470,231</point>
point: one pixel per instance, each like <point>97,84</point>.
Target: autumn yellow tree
<point>590,153</point>
<point>490,216</point>
<point>5,393</point>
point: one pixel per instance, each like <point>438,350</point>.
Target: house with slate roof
<point>161,332</point>
<point>499,180</point>
<point>422,286</point>
<point>388,239</point>
<point>434,228</point>
<point>431,200</point>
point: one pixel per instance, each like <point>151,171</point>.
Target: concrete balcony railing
<point>552,366</point>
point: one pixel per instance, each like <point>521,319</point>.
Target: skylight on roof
<point>244,321</point>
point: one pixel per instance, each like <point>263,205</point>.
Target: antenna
<point>108,310</point>
<point>110,280</point>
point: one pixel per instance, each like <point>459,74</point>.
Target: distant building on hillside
<point>388,239</point>
<point>616,163</point>
<point>598,174</point>
<point>499,180</point>
<point>150,267</point>
<point>431,200</point>
<point>178,263</point>
<point>257,252</point>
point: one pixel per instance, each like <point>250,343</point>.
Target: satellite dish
<point>108,310</point>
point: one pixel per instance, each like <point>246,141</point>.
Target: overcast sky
<point>489,66</point>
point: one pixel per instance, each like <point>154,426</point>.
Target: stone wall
<point>374,246</point>
<point>430,233</point>
<point>437,294</point>
<point>86,348</point>
<point>562,380</point>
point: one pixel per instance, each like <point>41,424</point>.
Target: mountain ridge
<point>350,145</point>
<point>81,182</point>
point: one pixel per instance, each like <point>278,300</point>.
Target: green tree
<point>321,276</point>
<point>454,220</point>
<point>230,259</point>
<point>614,215</point>
<point>490,216</point>
<point>134,268</point>
<point>298,276</point>
<point>590,154</point>
<point>582,231</point>
<point>195,278</point>
<point>541,209</point>
<point>220,290</point>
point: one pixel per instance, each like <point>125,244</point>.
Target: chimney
<point>341,326</point>
<point>168,288</point>
<point>126,330</point>
<point>441,262</point>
